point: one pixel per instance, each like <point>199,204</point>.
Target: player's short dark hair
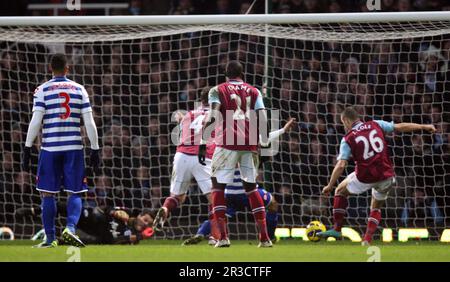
<point>204,95</point>
<point>58,62</point>
<point>149,212</point>
<point>350,113</point>
<point>234,69</point>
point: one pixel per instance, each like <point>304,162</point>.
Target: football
<point>313,228</point>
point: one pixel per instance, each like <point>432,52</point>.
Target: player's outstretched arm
<point>91,130</point>
<point>33,131</point>
<point>409,127</point>
<point>286,128</point>
<point>289,124</point>
<point>337,172</point>
<point>275,134</point>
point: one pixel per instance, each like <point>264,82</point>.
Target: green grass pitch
<point>285,250</point>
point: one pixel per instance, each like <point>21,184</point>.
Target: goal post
<point>310,18</point>
<point>138,70</point>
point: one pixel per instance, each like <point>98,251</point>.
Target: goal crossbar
<point>314,18</point>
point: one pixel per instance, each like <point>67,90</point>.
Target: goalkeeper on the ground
<point>107,225</point>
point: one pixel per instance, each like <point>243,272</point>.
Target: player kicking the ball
<point>185,162</point>
<point>365,141</point>
<point>233,105</point>
<point>60,103</point>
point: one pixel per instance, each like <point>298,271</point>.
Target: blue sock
<point>272,221</point>
<point>205,228</point>
<point>48,217</point>
<point>73,211</point>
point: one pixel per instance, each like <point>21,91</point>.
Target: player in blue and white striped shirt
<point>59,104</point>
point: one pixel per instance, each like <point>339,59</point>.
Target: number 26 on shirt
<point>374,144</point>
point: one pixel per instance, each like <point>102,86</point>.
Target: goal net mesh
<point>137,76</point>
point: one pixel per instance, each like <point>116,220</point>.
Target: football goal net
<point>139,70</point>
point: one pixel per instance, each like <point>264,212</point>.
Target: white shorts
<point>380,189</point>
<point>224,163</point>
<point>186,167</point>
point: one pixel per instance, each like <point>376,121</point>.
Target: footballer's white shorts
<point>186,167</point>
<point>224,163</point>
<point>380,190</point>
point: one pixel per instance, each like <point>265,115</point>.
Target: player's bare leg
<point>340,204</point>
<point>373,220</point>
<point>259,213</point>
<point>219,210</point>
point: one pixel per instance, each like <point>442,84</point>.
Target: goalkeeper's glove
<point>26,158</point>
<point>94,159</point>
<point>202,154</point>
<point>145,234</point>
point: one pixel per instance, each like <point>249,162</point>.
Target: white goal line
<point>368,17</point>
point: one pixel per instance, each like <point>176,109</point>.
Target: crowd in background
<point>191,7</point>
<point>136,85</point>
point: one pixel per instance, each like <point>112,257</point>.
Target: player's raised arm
<point>91,130</point>
<point>286,128</point>
<point>389,127</point>
<point>275,134</point>
<point>208,126</point>
<point>409,127</point>
<point>34,127</point>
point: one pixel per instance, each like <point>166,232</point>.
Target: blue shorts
<point>61,168</point>
<point>239,202</point>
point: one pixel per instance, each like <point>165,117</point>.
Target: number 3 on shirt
<point>373,144</point>
<point>65,105</point>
